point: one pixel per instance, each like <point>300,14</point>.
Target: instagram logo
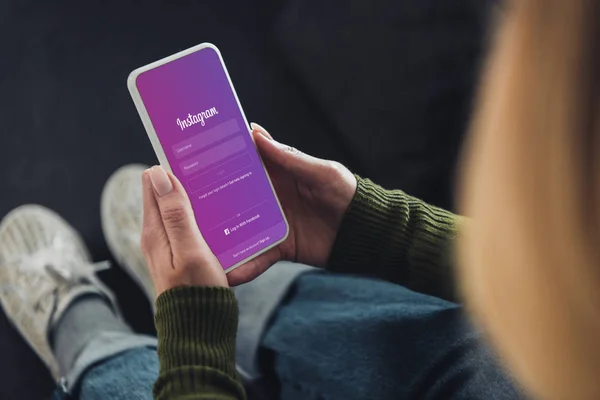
<point>197,118</point>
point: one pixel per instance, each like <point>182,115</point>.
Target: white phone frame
<point>158,149</point>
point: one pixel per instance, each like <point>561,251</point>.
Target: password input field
<point>206,138</point>
<point>213,155</point>
<point>219,172</point>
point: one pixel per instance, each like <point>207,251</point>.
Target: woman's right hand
<point>314,194</point>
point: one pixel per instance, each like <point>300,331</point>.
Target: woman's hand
<point>175,251</point>
<point>314,194</point>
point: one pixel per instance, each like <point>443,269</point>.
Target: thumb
<point>176,212</point>
<point>286,157</point>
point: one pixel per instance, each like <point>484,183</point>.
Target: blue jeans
<point>343,337</point>
<point>129,375</point>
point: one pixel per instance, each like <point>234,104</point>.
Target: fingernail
<point>160,181</point>
<point>261,130</point>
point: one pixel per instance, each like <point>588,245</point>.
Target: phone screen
<point>204,135</point>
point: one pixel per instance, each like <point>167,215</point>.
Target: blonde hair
<point>530,255</point>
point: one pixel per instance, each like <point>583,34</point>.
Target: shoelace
<point>67,276</point>
<point>63,271</point>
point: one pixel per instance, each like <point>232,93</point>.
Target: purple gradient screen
<point>205,137</point>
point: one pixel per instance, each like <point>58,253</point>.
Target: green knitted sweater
<point>385,234</point>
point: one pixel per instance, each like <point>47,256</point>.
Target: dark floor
<point>68,121</point>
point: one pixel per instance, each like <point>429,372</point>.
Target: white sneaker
<point>121,212</point>
<point>44,266</point>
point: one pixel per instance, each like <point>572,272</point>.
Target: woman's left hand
<point>175,251</point>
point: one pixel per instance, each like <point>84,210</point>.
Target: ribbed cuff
<point>360,243</point>
<point>197,326</point>
<point>391,235</point>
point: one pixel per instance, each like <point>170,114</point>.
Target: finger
<point>176,212</point>
<point>263,131</point>
<point>285,157</point>
<point>154,242</point>
<point>152,226</point>
<point>151,214</point>
<point>253,268</point>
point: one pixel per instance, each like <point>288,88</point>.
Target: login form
<point>196,116</point>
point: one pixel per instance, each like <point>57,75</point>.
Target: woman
<point>529,253</point>
<point>331,335</point>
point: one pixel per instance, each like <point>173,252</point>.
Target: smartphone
<point>199,132</point>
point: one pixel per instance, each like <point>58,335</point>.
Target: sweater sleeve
<point>391,235</point>
<point>196,329</point>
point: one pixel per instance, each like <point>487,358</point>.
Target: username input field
<point>206,138</point>
<point>213,155</point>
